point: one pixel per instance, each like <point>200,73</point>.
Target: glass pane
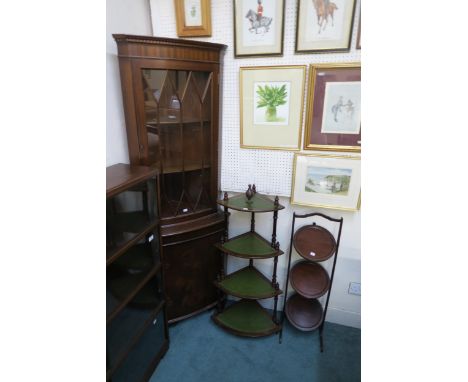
<point>178,122</point>
<point>130,321</point>
<point>129,214</point>
<point>125,277</point>
<point>136,365</point>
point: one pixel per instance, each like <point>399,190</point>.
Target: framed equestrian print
<point>193,18</point>
<point>271,107</point>
<point>258,28</point>
<point>334,108</point>
<point>324,25</point>
<point>327,181</point>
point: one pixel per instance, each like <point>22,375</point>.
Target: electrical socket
<point>354,288</point>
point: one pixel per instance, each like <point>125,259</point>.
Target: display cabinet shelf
<point>138,258</point>
<point>308,278</point>
<point>115,250</point>
<point>249,245</point>
<point>248,283</point>
<point>151,124</point>
<point>247,318</point>
<point>122,289</point>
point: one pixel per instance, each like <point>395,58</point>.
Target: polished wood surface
<point>191,264</point>
<point>314,243</point>
<point>120,177</point>
<point>305,314</point>
<point>309,279</point>
<point>171,94</point>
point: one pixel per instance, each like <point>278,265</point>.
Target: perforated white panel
<point>270,170</point>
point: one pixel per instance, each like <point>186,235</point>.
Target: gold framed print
<point>193,18</point>
<point>327,181</point>
<point>258,28</point>
<point>324,26</point>
<point>334,108</point>
<point>271,107</point>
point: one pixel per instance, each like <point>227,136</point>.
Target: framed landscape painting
<point>327,181</point>
<point>258,27</point>
<point>271,106</point>
<point>324,25</point>
<point>193,18</point>
<point>334,108</point>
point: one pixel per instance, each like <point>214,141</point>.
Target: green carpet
<point>200,351</point>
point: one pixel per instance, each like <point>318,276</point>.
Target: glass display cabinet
<point>170,91</point>
<point>136,322</point>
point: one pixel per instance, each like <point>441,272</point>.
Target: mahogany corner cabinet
<point>170,91</point>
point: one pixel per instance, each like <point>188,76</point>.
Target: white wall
<point>344,308</point>
<point>128,17</point>
<point>240,167</point>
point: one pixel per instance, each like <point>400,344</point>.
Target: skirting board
<point>335,315</point>
<point>344,317</point>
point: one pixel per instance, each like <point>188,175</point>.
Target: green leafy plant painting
<point>272,102</point>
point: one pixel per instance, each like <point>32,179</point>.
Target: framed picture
<point>327,181</point>
<point>324,25</point>
<point>193,18</point>
<point>271,106</point>
<point>258,28</point>
<point>358,41</point>
<point>334,108</point>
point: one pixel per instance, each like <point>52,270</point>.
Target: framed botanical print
<point>258,28</point>
<point>271,106</point>
<point>327,181</point>
<point>193,18</point>
<point>334,108</point>
<point>324,25</point>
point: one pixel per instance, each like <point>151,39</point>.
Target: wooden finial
<point>225,196</point>
<point>276,201</point>
<point>249,193</point>
<point>254,189</point>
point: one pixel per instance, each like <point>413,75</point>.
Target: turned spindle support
<point>275,220</point>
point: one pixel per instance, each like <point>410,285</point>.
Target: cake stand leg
<point>321,339</point>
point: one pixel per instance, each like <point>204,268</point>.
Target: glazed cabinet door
<point>177,134</point>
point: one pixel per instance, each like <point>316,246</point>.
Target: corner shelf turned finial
<point>225,197</point>
<point>249,193</point>
<point>254,189</point>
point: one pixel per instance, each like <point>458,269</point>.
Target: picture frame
<point>358,40</point>
<point>193,18</point>
<point>258,28</point>
<point>324,28</point>
<point>271,106</point>
<point>327,181</point>
<point>333,121</point>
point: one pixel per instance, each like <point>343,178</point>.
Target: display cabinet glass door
<point>178,123</point>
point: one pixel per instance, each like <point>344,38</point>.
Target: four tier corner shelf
<point>247,317</point>
<point>308,278</point>
<point>136,332</point>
